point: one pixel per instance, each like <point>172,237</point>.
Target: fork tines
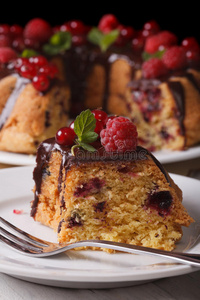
<point>20,240</point>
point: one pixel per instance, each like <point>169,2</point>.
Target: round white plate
<point>83,269</point>
<point>16,159</point>
<point>164,156</point>
<point>167,156</point>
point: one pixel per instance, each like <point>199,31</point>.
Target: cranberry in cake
<point>106,187</point>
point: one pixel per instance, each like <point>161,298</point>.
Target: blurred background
<point>180,17</point>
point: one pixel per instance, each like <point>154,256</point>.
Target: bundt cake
<point>94,182</point>
<point>28,115</point>
<point>146,75</point>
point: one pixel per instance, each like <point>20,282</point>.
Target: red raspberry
<point>7,54</point>
<point>163,39</point>
<point>120,135</point>
<point>153,68</point>
<point>38,29</point>
<point>175,58</point>
<point>107,23</point>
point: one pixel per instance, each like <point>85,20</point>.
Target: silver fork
<point>35,247</point>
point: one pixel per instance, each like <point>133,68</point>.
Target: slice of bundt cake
<point>166,112</point>
<point>32,106</point>
<point>94,182</point>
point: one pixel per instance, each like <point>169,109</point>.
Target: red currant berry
<point>99,127</point>
<point>190,43</point>
<point>127,32</point>
<point>28,71</point>
<point>65,27</point>
<point>100,115</point>
<point>41,82</point>
<point>65,136</point>
<point>16,30</point>
<point>39,61</point>
<point>19,62</point>
<point>111,118</point>
<point>71,125</point>
<point>78,40</point>
<point>33,44</point>
<point>193,57</point>
<point>57,28</point>
<point>138,43</point>
<point>4,29</point>
<point>18,44</point>
<point>152,27</point>
<point>48,70</point>
<point>77,27</point>
<point>96,144</point>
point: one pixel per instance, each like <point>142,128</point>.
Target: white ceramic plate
<point>16,159</point>
<point>166,156</point>
<point>83,269</point>
<point>163,156</point>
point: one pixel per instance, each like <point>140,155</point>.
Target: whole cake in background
<point>93,181</point>
<point>147,75</point>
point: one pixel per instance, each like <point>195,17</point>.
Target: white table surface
<point>184,287</point>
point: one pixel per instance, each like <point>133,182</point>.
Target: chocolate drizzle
<point>79,63</point>
<point>81,157</point>
<point>179,97</point>
<point>19,86</point>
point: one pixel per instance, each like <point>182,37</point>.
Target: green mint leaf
<point>29,53</point>
<point>104,41</point>
<point>109,39</point>
<point>89,137</point>
<point>87,147</point>
<point>84,126</point>
<point>59,42</point>
<point>159,54</point>
<point>95,36</point>
<point>84,123</point>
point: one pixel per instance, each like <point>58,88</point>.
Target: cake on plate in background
<point>147,75</point>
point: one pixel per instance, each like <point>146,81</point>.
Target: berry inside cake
<point>95,182</point>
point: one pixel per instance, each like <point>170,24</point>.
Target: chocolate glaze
<point>81,157</point>
<point>19,86</point>
<point>5,70</point>
<point>79,62</point>
<point>179,96</point>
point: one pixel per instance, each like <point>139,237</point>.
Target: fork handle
<point>186,258</point>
